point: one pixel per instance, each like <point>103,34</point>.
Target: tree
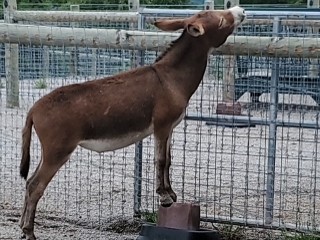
<point>273,1</point>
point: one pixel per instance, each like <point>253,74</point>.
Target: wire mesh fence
<point>226,169</point>
<point>263,171</point>
<point>91,189</point>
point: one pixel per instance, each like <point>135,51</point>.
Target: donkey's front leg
<point>167,183</point>
<point>160,151</point>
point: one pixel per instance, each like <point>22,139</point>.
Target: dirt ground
<point>52,229</point>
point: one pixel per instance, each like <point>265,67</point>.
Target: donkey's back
<point>100,115</point>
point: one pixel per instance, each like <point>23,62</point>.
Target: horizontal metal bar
<point>296,14</point>
<point>169,12</point>
<point>250,13</point>
<point>252,120</point>
<point>255,223</point>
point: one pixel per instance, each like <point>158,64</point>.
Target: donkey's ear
<point>170,25</point>
<point>195,29</point>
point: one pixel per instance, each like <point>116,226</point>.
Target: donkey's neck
<point>185,63</point>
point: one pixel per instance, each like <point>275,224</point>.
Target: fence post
<point>272,128</point>
<point>94,56</point>
<point>313,4</point>
<point>133,5</point>
<point>228,66</point>
<point>137,60</point>
<point>208,4</point>
<point>11,59</point>
<point>312,30</point>
<point>73,51</point>
<point>46,62</point>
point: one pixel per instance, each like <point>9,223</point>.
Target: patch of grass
<point>125,226</point>
<point>150,217</point>
<point>301,236</point>
<point>231,232</point>
<point>40,84</point>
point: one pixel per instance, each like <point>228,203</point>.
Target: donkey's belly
<point>109,144</point>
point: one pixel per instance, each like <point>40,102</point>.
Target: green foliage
<point>40,84</point>
<point>123,4</point>
<point>273,1</point>
<point>150,217</point>
<point>165,2</point>
<point>300,236</point>
<point>154,2</point>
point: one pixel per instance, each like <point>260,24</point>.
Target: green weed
<point>150,217</point>
<point>301,236</point>
<point>40,84</point>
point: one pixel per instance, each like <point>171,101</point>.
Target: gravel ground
<point>48,229</point>
<point>223,169</point>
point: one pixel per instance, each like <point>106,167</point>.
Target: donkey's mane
<point>169,47</point>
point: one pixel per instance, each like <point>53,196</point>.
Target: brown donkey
<point>114,112</point>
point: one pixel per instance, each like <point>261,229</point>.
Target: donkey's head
<point>213,25</point>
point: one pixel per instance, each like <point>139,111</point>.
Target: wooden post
<point>230,3</point>
<point>11,59</point>
<point>312,30</point>
<point>208,4</point>
<point>295,47</point>
<point>73,55</point>
<point>228,66</point>
<point>133,6</point>
<point>137,59</point>
<point>313,3</point>
<point>94,62</point>
<point>46,62</point>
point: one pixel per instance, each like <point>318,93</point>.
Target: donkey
<point>116,111</point>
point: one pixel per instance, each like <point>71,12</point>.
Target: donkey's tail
<point>26,139</point>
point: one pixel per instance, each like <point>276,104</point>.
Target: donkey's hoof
<point>173,195</point>
<point>166,201</point>
<point>28,234</point>
<point>31,237</point>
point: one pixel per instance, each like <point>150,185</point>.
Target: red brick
<point>232,108</point>
<point>180,216</point>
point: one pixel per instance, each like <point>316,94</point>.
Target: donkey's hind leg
<point>47,168</point>
<point>25,202</point>
<point>167,183</point>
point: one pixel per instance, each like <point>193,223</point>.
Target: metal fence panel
<point>263,175</point>
<point>226,170</point>
<point>91,189</point>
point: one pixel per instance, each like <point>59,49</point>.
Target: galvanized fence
<point>257,169</point>
<point>92,189</point>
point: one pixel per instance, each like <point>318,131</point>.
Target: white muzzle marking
<point>239,15</point>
